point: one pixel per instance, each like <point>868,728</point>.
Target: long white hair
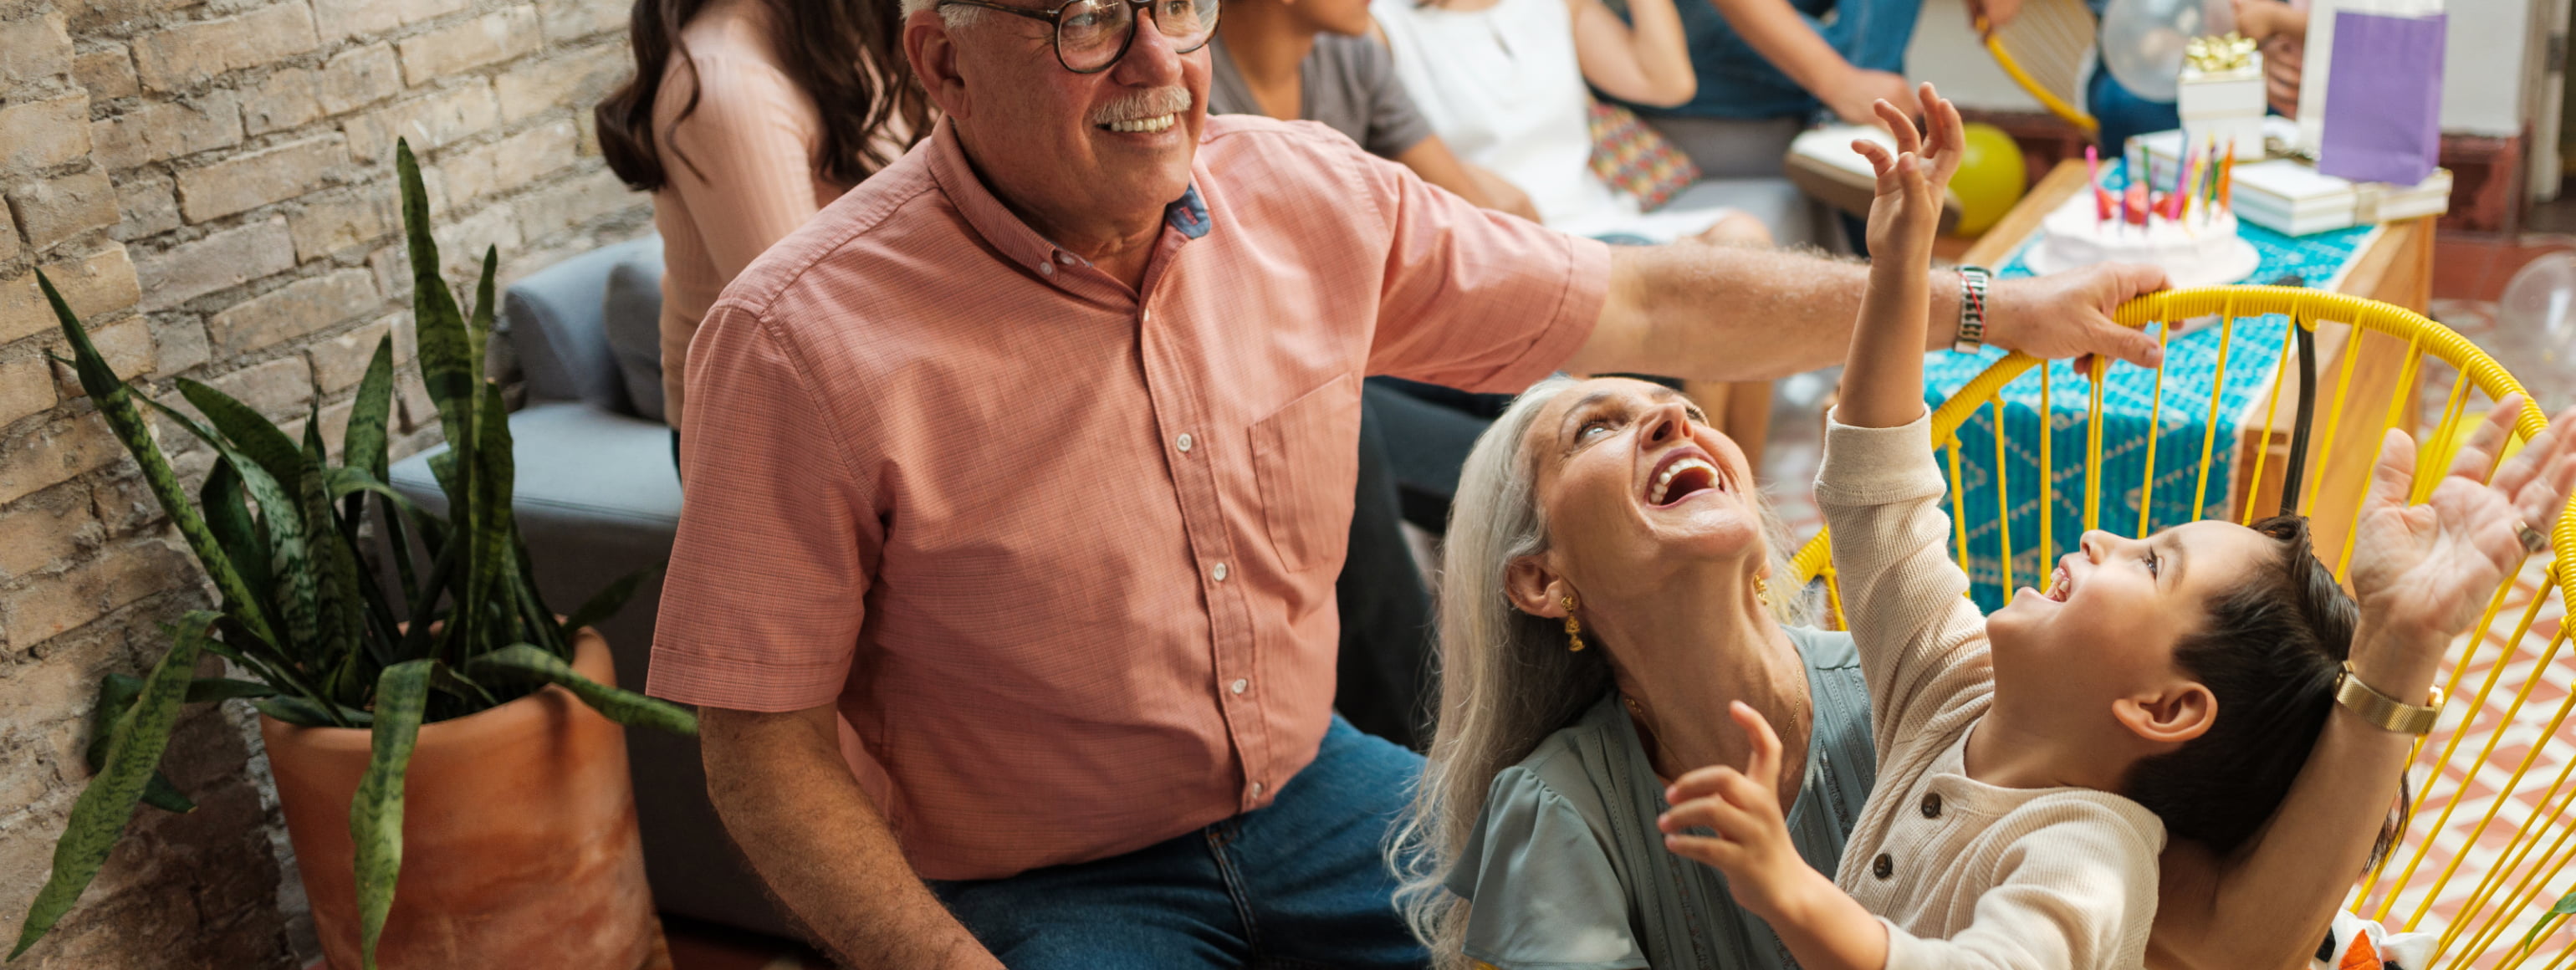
<point>1507,680</point>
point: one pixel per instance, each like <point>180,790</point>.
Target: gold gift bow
<point>2218,55</point>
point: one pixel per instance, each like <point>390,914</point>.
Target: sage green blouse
<point>1566,870</point>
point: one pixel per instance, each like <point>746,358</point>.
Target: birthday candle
<point>2227,177</point>
<point>2093,180</point>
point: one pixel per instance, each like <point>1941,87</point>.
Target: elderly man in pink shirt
<point>1019,478</point>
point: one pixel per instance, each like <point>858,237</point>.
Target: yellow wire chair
<point>2044,48</point>
<point>2487,853</point>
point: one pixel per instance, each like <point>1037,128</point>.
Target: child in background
<point>2032,763</point>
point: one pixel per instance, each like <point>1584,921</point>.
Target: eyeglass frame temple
<point>1055,35</point>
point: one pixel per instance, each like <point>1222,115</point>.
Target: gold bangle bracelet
<point>2382,711</point>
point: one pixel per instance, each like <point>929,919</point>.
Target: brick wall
<point>210,182</point>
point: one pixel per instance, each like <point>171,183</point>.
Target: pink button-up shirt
<point>1063,555</point>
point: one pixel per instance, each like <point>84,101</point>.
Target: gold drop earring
<point>1573,627</point>
<point>1762,591</point>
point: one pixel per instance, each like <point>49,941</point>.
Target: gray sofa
<point>597,498</point>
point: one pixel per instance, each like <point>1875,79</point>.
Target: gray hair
<point>954,17</point>
<point>1507,680</point>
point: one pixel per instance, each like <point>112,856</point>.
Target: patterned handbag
<point>1635,158</point>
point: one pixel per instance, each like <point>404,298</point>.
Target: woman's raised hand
<point>2429,569</point>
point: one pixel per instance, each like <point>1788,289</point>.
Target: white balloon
<point>2142,40</point>
<point>2535,335</point>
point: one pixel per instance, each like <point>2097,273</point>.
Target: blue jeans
<point>1299,884</point>
<point>1736,81</point>
<point>2124,114</point>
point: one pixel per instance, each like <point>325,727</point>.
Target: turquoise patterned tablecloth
<point>2128,404</point>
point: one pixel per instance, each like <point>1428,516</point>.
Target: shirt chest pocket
<point>1306,458</point>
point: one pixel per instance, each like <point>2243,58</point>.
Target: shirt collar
<point>956,177</point>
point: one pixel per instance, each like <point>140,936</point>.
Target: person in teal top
<point>1612,581</point>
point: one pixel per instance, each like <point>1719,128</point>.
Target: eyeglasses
<point>1090,35</point>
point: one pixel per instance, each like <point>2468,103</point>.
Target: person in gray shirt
<point>1311,60</point>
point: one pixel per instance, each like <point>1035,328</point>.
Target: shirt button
<point>1256,789</point>
<point>1932,805</point>
<point>1239,685</point>
<point>1184,443</point>
<point>1047,269</point>
<point>1883,866</point>
<point>1218,572</point>
<point>1066,258</point>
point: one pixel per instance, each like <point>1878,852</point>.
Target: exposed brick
<point>221,260</point>
<point>55,605</point>
<point>181,56</point>
<point>127,348</point>
<point>430,121</point>
<point>250,180</point>
<point>357,78</point>
<point>57,209</point>
<point>180,342</point>
<point>34,48</point>
<point>107,73</point>
<point>147,205</point>
<point>342,361</point>
<point>43,529</point>
<point>94,285</point>
<point>63,448</point>
<point>493,37</point>
<point>168,129</point>
<point>342,18</point>
<point>43,134</point>
<point>461,243</point>
<point>26,387</point>
<point>279,388</point>
<point>293,310</point>
<point>8,236</point>
<point>284,101</point>
<point>573,202</point>
<point>580,78</point>
<point>511,162</point>
<point>569,20</point>
<point>327,225</point>
<point>89,16</point>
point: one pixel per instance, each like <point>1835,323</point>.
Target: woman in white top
<point>1504,83</point>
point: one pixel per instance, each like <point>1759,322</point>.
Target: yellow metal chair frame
<point>2488,924</point>
<point>2043,50</point>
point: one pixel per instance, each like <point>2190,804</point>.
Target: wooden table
<point>2396,269</point>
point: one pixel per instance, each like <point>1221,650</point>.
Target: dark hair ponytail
<point>2268,650</point>
<point>847,55</point>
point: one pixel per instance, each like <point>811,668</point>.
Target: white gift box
<point>2224,107</point>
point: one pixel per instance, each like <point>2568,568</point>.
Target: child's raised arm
<point>1883,376</point>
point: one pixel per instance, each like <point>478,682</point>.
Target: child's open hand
<point>1913,182</point>
<point>2429,568</point>
<point>1743,807</point>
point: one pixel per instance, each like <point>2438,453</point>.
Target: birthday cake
<point>2191,235</point>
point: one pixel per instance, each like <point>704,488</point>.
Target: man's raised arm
<point>820,844</point>
<point>1725,314</point>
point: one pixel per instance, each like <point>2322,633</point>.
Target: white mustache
<point>1153,103</point>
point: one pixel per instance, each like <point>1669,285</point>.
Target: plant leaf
<point>491,547</point>
<point>116,693</point>
<point>303,712</point>
<point>376,813</point>
<point>610,599</point>
<point>234,530</point>
<point>2564,906</point>
<point>362,447</point>
<point>99,816</point>
<point>342,612</point>
<point>621,706</point>
<point>250,432</point>
<point>116,406</point>
<point>447,354</point>
<point>294,597</point>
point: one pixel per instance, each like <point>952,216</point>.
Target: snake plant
<point>305,615</point>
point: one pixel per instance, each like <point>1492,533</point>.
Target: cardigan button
<point>1932,805</point>
<point>1883,867</point>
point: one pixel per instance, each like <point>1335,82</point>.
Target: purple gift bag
<point>2383,117</point>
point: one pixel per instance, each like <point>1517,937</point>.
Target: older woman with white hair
<point>1612,582</point>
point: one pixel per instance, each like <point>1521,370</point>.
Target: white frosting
<point>2200,250</point>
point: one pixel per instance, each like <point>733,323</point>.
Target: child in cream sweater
<point>2031,763</point>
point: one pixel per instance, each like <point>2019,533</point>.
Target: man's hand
<point>1752,844</point>
<point>2281,30</point>
<point>1907,212</point>
<point>2068,314</point>
<point>2428,570</point>
<point>1988,15</point>
<point>1499,193</point>
<point>1856,93</point>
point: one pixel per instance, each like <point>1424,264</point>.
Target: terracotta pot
<point>519,838</point>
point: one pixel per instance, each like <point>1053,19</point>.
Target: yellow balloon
<point>1990,178</point>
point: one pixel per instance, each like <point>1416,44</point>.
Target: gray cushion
<point>553,319</point>
<point>632,314</point>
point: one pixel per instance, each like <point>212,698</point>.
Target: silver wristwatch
<point>1973,281</point>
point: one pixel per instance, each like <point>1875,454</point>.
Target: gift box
<point>2220,95</point>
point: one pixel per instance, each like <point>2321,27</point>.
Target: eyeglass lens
<point>1091,33</point>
